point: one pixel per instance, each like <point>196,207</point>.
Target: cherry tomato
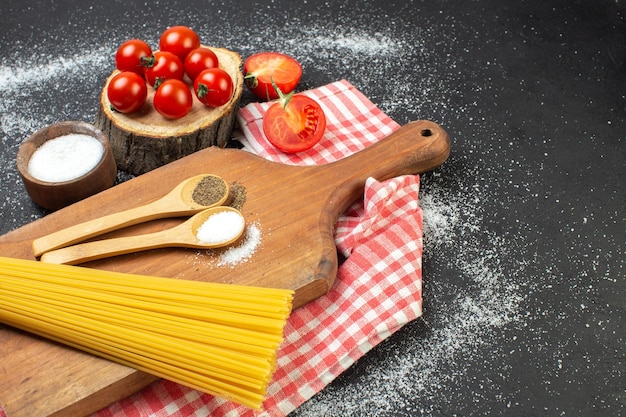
<point>260,69</point>
<point>162,65</point>
<point>127,92</point>
<point>179,40</point>
<point>129,54</point>
<point>213,87</point>
<point>295,123</point>
<point>173,99</point>
<point>198,60</point>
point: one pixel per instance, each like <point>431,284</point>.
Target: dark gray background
<point>524,224</point>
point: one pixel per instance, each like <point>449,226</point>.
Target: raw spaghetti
<point>220,339</point>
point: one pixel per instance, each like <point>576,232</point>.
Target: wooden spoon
<point>185,235</point>
<point>178,202</point>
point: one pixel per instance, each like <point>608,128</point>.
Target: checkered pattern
<point>377,290</point>
<point>352,123</point>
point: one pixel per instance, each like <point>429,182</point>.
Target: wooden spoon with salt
<point>183,200</point>
<point>211,228</point>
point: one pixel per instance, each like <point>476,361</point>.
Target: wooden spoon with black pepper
<point>187,198</point>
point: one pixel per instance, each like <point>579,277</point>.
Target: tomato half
<point>127,92</point>
<point>179,40</point>
<point>129,54</point>
<point>172,99</point>
<point>260,69</point>
<point>198,60</point>
<point>162,65</point>
<point>213,87</point>
<point>294,123</point>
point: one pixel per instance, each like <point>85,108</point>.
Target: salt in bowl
<point>54,191</point>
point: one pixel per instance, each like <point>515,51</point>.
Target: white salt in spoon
<point>178,202</point>
<point>211,228</point>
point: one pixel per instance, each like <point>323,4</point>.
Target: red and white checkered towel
<point>377,290</point>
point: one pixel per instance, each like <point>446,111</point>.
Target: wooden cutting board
<point>295,209</point>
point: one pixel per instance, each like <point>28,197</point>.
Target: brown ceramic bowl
<point>56,195</point>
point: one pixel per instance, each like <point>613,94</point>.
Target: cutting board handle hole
<point>426,132</point>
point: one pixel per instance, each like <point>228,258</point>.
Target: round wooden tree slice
<point>145,140</point>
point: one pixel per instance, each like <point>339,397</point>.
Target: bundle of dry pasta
<point>218,338</point>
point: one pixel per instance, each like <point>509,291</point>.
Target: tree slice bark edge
<point>139,146</point>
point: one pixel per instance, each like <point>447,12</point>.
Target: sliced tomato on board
<point>262,68</point>
<point>295,123</point>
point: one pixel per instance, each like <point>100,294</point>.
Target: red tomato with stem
<point>172,99</point>
<point>129,54</point>
<point>261,69</point>
<point>295,123</point>
<point>162,65</point>
<point>179,40</point>
<point>213,87</point>
<point>127,92</point>
<point>198,60</point>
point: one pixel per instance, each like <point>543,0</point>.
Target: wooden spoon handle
<point>105,248</point>
<point>95,227</point>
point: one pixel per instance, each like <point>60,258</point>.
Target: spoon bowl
<point>221,225</point>
<point>180,201</point>
<point>186,190</point>
<point>185,235</point>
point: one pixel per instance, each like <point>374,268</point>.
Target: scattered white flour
<point>244,251</point>
<point>65,158</point>
<point>357,43</point>
<point>458,321</point>
<point>28,82</point>
<point>38,69</point>
<point>233,255</point>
